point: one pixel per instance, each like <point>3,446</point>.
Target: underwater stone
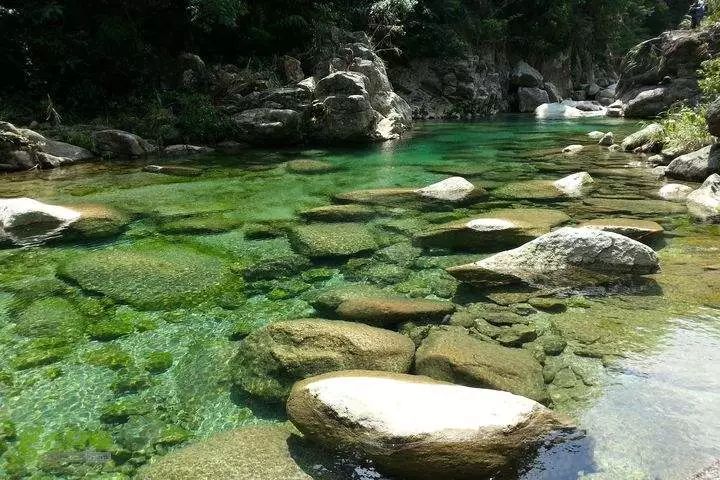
<point>339,213</point>
<point>123,409</point>
<point>309,167</point>
<point>640,230</point>
<point>149,274</point>
<point>454,356</point>
<point>276,267</point>
<point>271,359</point>
<point>110,356</point>
<point>332,240</point>
<point>158,362</point>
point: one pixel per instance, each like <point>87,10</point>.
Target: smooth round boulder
<point>695,166</point>
<point>640,230</point>
<point>641,137</point>
<point>567,257</point>
<point>674,192</point>
<point>453,189</point>
<point>704,203</point>
<point>271,359</point>
<point>418,428</point>
<point>575,185</point>
<point>595,135</point>
<point>390,311</point>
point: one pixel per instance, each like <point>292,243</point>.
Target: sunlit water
<point>651,411</point>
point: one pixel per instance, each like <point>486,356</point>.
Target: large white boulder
<point>559,111</point>
<point>567,257</point>
<point>674,192</point>
<point>704,203</point>
<point>26,221</point>
<point>574,185</point>
<point>453,189</point>
<point>418,428</point>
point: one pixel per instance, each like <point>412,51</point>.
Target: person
<point>698,10</point>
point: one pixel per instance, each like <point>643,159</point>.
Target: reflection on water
<point>658,419</point>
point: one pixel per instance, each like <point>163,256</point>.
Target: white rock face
<point>453,189</point>
<point>574,185</point>
<point>559,111</point>
<point>25,221</point>
<point>674,192</point>
<point>419,428</point>
<point>567,257</point>
<point>596,135</point>
<point>573,149</point>
<point>704,203</point>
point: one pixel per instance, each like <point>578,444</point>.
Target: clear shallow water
<point>647,395</point>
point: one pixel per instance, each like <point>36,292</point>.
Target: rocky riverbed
<point>397,298</point>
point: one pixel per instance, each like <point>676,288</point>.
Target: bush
<point>686,129</point>
<point>710,78</point>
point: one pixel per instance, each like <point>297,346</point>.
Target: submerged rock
<point>420,428</point>
<point>309,167</point>
<point>674,192</point>
<point>271,359</point>
<point>248,453</point>
<point>695,166</point>
<point>454,356</point>
<point>640,230</point>
<point>389,197</point>
<point>332,239</point>
<point>572,186</point>
<point>391,311</point>
<point>568,257</point>
<point>339,213</point>
<point>175,170</point>
<point>493,230</point>
<point>704,203</point>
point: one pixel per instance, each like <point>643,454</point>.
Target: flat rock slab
<point>339,213</point>
<point>419,428</point>
<point>309,167</point>
<point>392,311</point>
<point>380,196</point>
<point>323,240</point>
<point>640,230</point>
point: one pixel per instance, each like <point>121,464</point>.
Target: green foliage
<point>685,129</point>
<point>710,77</point>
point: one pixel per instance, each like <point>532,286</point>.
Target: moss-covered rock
<point>271,359</point>
<point>277,267</point>
<point>389,197</point>
<point>309,167</point>
<point>36,356</point>
<point>263,451</point>
<point>402,254</point>
<point>452,355</point>
<point>96,222</point>
<point>424,283</point>
<point>123,409</point>
<point>131,381</point>
<point>150,274</point>
<point>213,222</point>
<point>332,240</point>
<point>339,213</point>
<point>367,270</point>
<point>327,301</point>
<point>110,356</point>
<point>112,328</point>
<point>158,362</point>
<point>538,190</point>
<point>50,317</point>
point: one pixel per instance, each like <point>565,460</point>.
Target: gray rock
<point>530,98</point>
<point>553,92</point>
<point>713,117</point>
<point>704,203</point>
<point>695,166</point>
<point>119,143</point>
<point>607,140</point>
<point>269,126</point>
<point>523,75</point>
<point>292,69</point>
<point>70,153</point>
<point>568,257</point>
<point>642,137</point>
<point>674,192</point>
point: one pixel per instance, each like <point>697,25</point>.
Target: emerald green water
<point>123,344</point>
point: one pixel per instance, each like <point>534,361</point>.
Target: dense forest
<point>95,57</point>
